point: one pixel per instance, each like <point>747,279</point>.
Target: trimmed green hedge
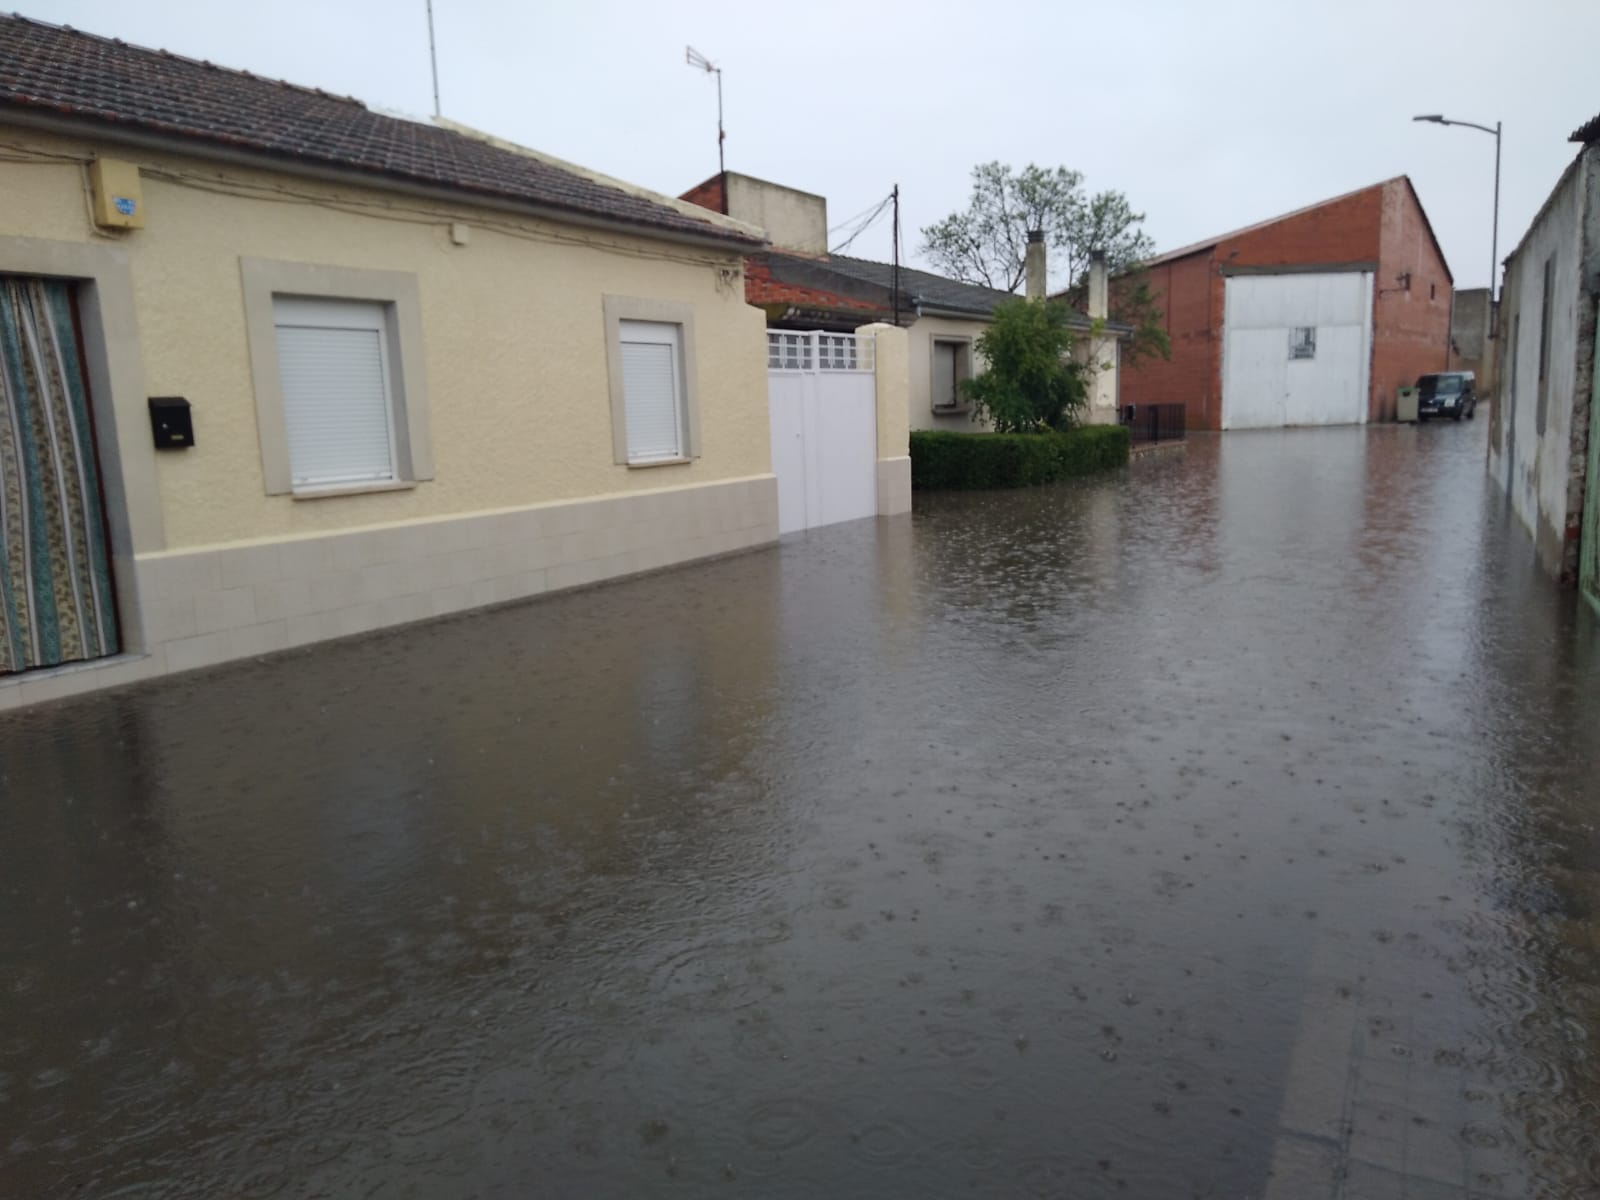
<point>942,460</point>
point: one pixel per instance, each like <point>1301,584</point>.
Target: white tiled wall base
<point>210,605</point>
<point>894,486</point>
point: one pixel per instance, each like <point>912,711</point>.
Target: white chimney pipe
<point>1033,265</point>
<point>1099,287</point>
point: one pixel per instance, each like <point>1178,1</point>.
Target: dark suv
<point>1446,395</point>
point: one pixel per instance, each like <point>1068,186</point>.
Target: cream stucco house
<point>278,368</point>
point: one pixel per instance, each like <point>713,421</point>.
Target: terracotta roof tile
<point>58,70</point>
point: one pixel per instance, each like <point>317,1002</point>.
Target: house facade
<point>1316,317</point>
<point>278,369</point>
<point>1541,452</point>
<point>799,284</point>
<point>1471,336</point>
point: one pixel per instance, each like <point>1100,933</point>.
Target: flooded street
<point>1227,827</point>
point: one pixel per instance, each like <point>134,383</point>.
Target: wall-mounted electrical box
<point>118,198</point>
<point>171,423</point>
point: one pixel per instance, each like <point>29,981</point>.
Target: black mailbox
<point>171,423</point>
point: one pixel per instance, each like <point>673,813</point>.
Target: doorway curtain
<point>56,601</point>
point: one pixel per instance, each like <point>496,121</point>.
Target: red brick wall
<point>1410,325</point>
<point>711,194</point>
<point>1191,377</point>
<point>763,291</point>
<point>1346,231</point>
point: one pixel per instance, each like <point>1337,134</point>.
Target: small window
<point>338,399</point>
<point>652,385</point>
<point>340,386</point>
<point>651,381</point>
<point>952,363</point>
<point>1303,341</point>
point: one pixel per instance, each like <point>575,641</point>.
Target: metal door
<point>1296,349</point>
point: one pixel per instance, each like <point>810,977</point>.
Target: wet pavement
<point>1228,827</point>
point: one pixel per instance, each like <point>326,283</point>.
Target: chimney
<point>1099,285</point>
<point>1034,265</point>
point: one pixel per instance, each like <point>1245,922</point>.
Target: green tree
<point>1136,303</point>
<point>987,243</point>
<point>1032,383</point>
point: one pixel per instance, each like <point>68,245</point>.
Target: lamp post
<point>1494,239</point>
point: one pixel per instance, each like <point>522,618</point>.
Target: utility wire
<point>871,208</point>
<point>863,227</point>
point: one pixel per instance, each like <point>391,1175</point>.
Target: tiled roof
<point>856,281</point>
<point>1588,132</point>
<point>55,70</point>
<point>923,289</point>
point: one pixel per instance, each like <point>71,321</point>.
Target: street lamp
<point>1494,242</point>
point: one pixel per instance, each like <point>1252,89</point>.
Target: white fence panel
<point>822,396</point>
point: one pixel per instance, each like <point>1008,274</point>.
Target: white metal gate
<point>1296,349</point>
<point>822,393</point>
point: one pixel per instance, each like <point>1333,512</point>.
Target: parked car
<point>1448,394</point>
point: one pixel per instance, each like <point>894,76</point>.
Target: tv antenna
<point>699,61</point>
<point>433,60</point>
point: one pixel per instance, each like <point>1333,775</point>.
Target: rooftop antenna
<point>695,59</point>
<point>433,60</point>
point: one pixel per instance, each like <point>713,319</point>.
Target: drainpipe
<point>1033,265</point>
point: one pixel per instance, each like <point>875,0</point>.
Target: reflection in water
<point>1223,827</point>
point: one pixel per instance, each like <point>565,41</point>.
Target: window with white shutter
<point>338,398</point>
<point>652,386</point>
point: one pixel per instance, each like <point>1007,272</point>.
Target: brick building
<point>1312,318</point>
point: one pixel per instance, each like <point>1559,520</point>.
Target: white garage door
<point>1296,349</point>
<point>822,394</point>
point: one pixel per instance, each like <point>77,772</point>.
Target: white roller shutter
<point>334,370</point>
<point>652,390</point>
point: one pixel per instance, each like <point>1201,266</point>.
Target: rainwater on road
<point>1225,827</point>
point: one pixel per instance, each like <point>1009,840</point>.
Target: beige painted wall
<point>892,377</point>
<point>512,324</point>
<point>792,219</point>
<point>1103,352</point>
<point>1103,355</point>
<point>923,331</point>
<point>892,382</point>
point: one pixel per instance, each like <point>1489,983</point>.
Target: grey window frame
<point>398,293</point>
<point>617,309</point>
<point>964,371</point>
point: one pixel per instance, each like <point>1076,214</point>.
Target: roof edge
<point>1544,207</point>
<point>143,136</point>
<point>1210,243</point>
<point>1428,225</point>
<point>677,204</point>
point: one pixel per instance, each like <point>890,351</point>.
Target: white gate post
<point>892,367</point>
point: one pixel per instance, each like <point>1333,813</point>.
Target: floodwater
<point>1227,827</point>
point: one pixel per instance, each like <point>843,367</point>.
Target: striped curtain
<point>56,603</point>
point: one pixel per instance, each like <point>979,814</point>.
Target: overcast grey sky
<point>1208,115</point>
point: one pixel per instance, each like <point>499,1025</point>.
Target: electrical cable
<point>863,227</point>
